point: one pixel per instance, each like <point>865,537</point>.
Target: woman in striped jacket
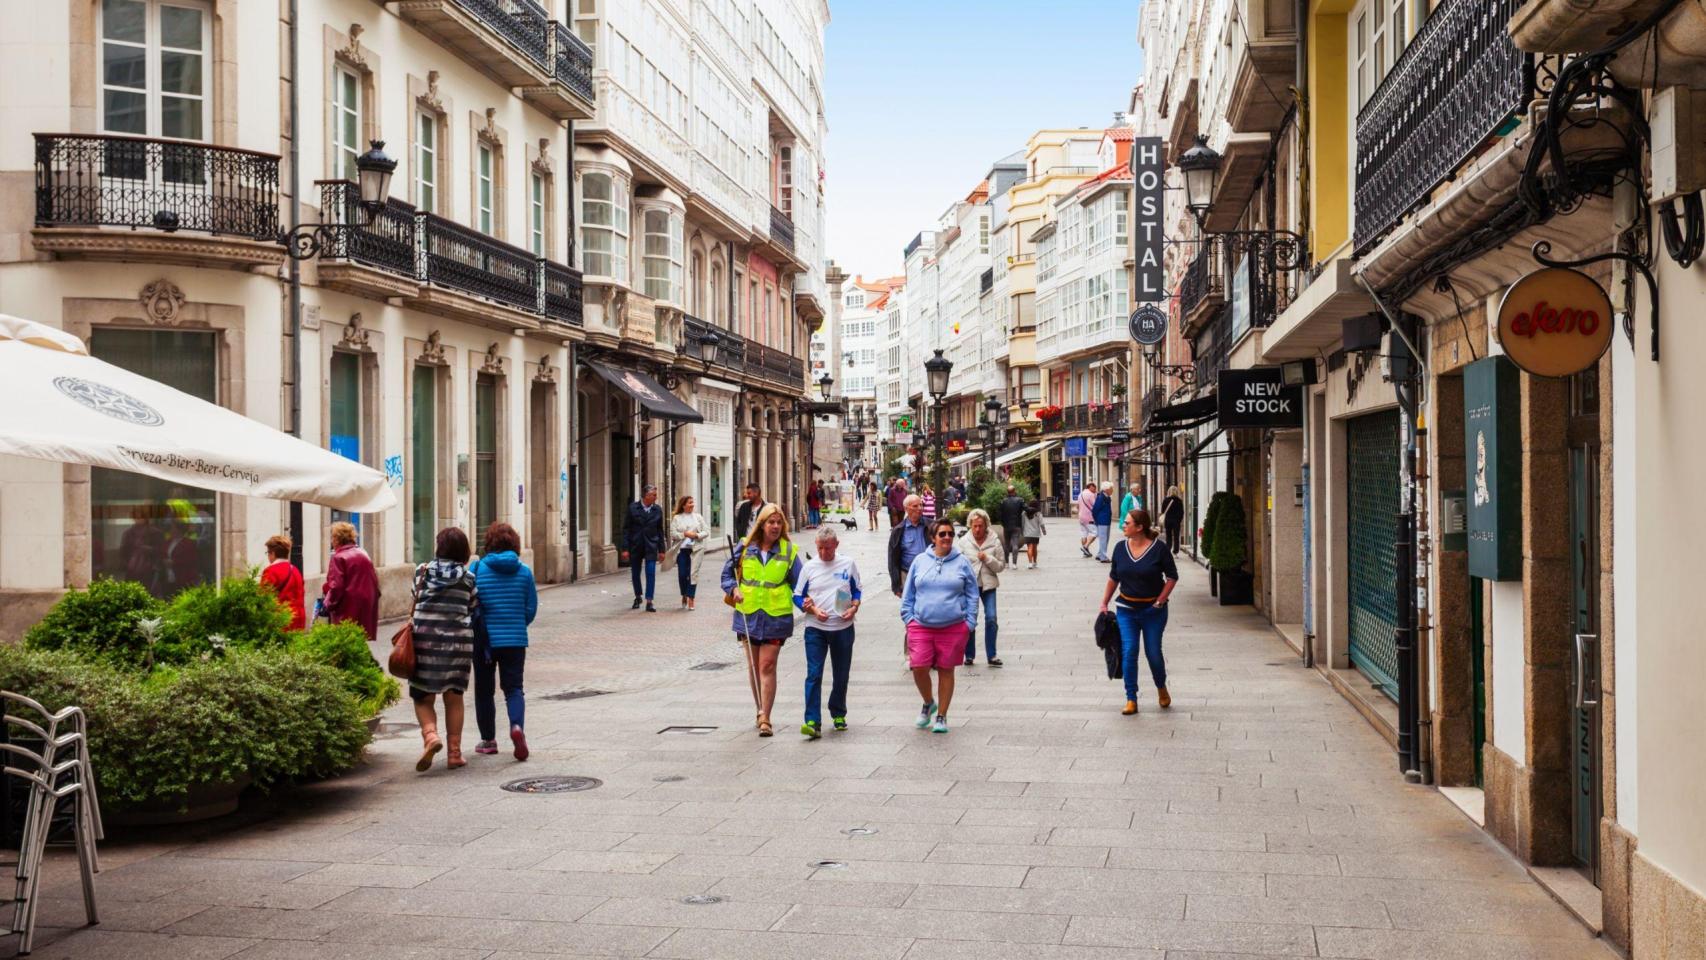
<point>444,644</point>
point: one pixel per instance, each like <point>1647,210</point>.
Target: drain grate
<point>701,899</point>
<point>860,831</point>
<point>828,864</point>
<point>710,665</point>
<point>575,694</point>
<point>671,778</point>
<point>687,730</point>
<point>553,784</point>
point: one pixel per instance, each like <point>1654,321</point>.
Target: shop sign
<point>1259,398</point>
<point>1116,451</point>
<point>1148,325</point>
<point>903,423</point>
<point>1076,446</point>
<point>1120,435</point>
<point>956,445</point>
<point>1555,322</point>
<point>1492,406</point>
<point>1149,173</point>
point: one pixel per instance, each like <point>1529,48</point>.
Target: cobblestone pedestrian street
<point>1259,817</point>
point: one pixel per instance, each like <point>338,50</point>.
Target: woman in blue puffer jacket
<point>508,601</point>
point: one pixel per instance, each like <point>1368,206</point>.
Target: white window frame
<point>661,270</point>
<point>785,179</point>
<point>536,196</point>
<point>152,91</point>
<point>485,187</point>
<point>426,160</point>
<point>344,154</point>
<point>615,230</point>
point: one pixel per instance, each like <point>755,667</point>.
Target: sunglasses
<point>944,533</point>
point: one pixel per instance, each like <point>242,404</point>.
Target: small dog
<point>849,523</point>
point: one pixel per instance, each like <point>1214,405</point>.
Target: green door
<point>344,433</point>
<point>423,456</point>
<point>485,454</point>
<point>1372,443</point>
<point>1584,675</point>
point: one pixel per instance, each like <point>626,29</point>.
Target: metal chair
<point>52,779</point>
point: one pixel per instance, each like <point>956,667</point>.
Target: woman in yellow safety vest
<point>758,581</point>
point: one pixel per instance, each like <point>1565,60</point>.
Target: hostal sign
<point>1555,322</point>
<point>1259,398</point>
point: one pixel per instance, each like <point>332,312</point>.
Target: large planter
<point>1237,588</point>
<point>205,801</point>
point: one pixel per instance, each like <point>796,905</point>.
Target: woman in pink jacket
<point>352,586</point>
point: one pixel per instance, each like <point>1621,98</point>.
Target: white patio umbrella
<point>58,403</point>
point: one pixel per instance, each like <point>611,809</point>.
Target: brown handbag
<point>402,662</point>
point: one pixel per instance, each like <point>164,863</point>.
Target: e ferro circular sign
<point>1555,322</point>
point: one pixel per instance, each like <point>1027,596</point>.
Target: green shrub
<point>997,492</point>
<point>1230,535</point>
<point>343,647</point>
<point>959,513</point>
<point>269,716</point>
<point>1216,504</point>
<point>239,609</point>
<point>99,622</point>
<point>977,483</point>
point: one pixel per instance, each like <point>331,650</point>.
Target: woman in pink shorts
<point>939,607</point>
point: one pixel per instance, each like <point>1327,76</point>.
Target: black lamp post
<point>709,343</point>
<point>824,384</point>
<point>373,171</point>
<point>1201,166</point>
<point>991,423</point>
<point>936,371</point>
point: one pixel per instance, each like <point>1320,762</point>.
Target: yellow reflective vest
<point>764,584</point>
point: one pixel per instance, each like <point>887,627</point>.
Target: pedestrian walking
<point>1011,510</point>
<point>928,501</point>
<point>1034,529</point>
<point>351,591</point>
<point>759,582</point>
<point>814,503</point>
<point>688,530</point>
<point>897,501</point>
<point>509,599</point>
<point>830,593</point>
<point>907,541</point>
<point>939,608</point>
<point>285,580</point>
<point>1143,574</point>
<point>1087,518</point>
<point>642,535</point>
<point>1172,516</point>
<point>1102,518</point>
<point>749,507</point>
<point>1133,500</point>
<point>986,554</point>
<point>445,603</point>
<point>873,503</point>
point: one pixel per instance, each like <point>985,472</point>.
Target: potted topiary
<point>1227,551</point>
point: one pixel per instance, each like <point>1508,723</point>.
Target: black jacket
<point>1107,632</point>
<point>897,572</point>
<point>643,530</point>
<point>743,518</point>
<point>1172,511</point>
<point>1012,512</point>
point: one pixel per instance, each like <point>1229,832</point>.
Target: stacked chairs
<point>62,769</point>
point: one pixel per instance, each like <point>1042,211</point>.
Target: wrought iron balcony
<point>517,43</point>
<point>412,249</point>
<point>743,358</point>
<point>1211,350</point>
<point>571,62</point>
<point>781,229</point>
<point>149,184</point>
<point>1204,282</point>
<point>1456,84</point>
<point>520,22</point>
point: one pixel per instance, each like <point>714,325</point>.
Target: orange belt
<point>1138,599</point>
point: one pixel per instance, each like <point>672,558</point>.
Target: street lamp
<point>823,384</point>
<point>936,371</point>
<point>709,343</point>
<point>991,420</point>
<point>373,171</point>
<point>1200,165</point>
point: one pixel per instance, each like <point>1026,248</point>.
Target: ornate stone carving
<point>493,362</point>
<point>353,52</point>
<point>161,301</point>
<point>355,338</point>
<point>546,372</point>
<point>430,100</point>
<point>433,350</point>
<point>489,132</point>
<point>542,161</point>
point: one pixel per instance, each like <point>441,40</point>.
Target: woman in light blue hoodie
<point>939,607</point>
<point>508,601</point>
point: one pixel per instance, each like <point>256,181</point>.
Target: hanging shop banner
<point>1077,446</point>
<point>1492,420</point>
<point>1258,398</point>
<point>956,445</point>
<point>1149,174</point>
<point>1555,322</point>
<point>1148,325</point>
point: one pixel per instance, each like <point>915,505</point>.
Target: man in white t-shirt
<point>828,592</point>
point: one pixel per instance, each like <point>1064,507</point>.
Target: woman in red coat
<point>352,586</point>
<point>285,580</point>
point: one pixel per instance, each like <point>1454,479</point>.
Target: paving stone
<point>976,950</point>
<point>728,915</point>
<point>963,924</point>
<point>1333,913</point>
<point>300,950</point>
<point>1049,902</point>
<point>520,935</point>
<point>1034,855</point>
<point>1266,939</point>
<point>1144,839</point>
<point>720,944</point>
<point>262,923</point>
<point>438,902</point>
<point>1309,864</point>
<point>373,875</point>
<point>127,915</point>
<point>294,895</point>
<point>480,880</point>
<point>1425,945</point>
<point>121,945</point>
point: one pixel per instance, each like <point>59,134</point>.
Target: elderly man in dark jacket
<point>644,539</point>
<point>1011,513</point>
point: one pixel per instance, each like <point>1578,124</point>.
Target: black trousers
<point>1173,535</point>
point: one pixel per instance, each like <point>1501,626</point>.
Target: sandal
<point>431,750</point>
<point>764,727</point>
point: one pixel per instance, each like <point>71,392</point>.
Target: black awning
<point>647,392</point>
<point>1180,416</point>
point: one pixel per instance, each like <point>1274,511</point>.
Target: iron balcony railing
<point>1212,349</point>
<point>431,249</point>
<point>522,23</point>
<point>153,184</point>
<point>1455,85</point>
<point>1204,278</point>
<point>743,357</point>
<point>782,229</point>
<point>571,61</point>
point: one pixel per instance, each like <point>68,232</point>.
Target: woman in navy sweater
<point>1143,574</point>
<point>508,602</point>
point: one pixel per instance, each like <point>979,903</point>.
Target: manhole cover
<point>710,665</point>
<point>701,899</point>
<point>828,864</point>
<point>575,694</point>
<point>552,784</point>
<point>687,730</point>
<point>859,831</point>
<point>672,778</point>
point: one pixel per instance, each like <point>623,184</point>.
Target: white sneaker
<point>924,715</point>
<point>941,724</point>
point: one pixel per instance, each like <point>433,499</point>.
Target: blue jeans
<point>989,628</point>
<point>1141,626</point>
<point>838,646</point>
<point>684,570</point>
<point>813,515</point>
<point>650,562</point>
<point>1102,540</point>
<point>506,668</point>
